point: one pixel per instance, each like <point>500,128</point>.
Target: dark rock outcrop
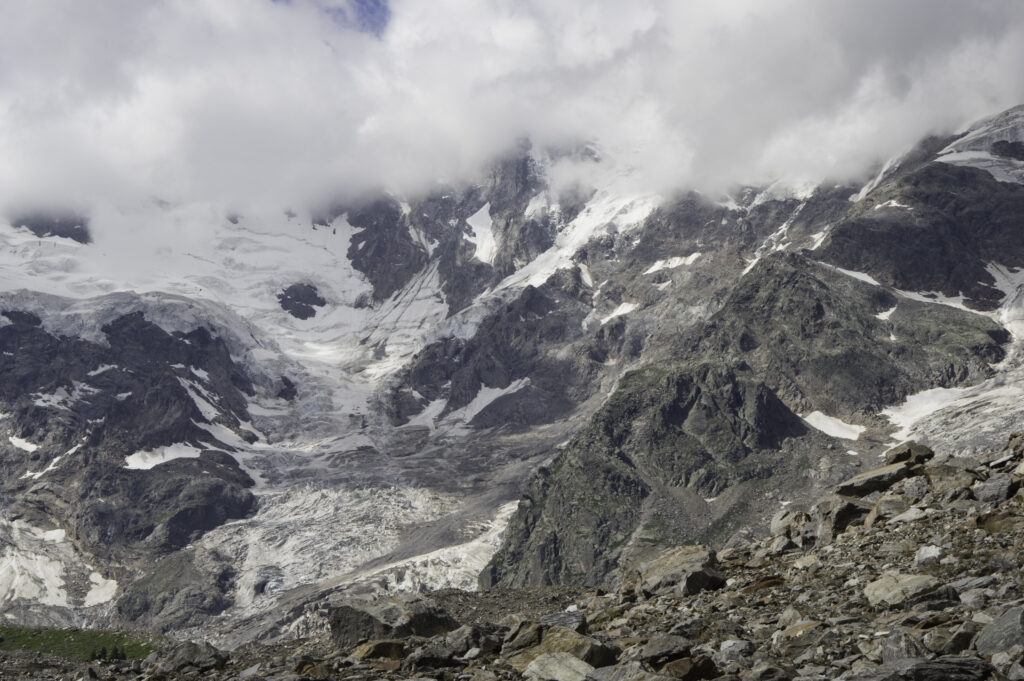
<point>44,224</point>
<point>301,300</point>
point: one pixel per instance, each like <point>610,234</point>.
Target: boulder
<point>735,650</point>
<point>995,490</point>
<point>1003,633</point>
<point>631,671</point>
<point>927,555</point>
<point>525,635</point>
<point>692,668</point>
<point>874,480</point>
<point>949,669</point>
<point>788,523</point>
<point>943,478</point>
<point>388,648</point>
<point>191,655</point>
<point>887,506</point>
<point>574,620</point>
<point>355,621</point>
<point>562,640</point>
<point>909,452</point>
<point>833,514</point>
<point>895,589</point>
<point>663,648</point>
<point>685,569</point>
<point>557,667</point>
<point>431,655</point>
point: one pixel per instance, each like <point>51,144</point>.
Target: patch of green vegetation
<point>75,644</point>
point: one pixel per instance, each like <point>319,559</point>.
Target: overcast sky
<point>246,100</point>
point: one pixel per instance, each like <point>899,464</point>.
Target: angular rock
<point>1003,633</point>
<point>894,589</point>
<point>557,667</point>
<point>432,655</point>
<point>388,648</point>
<point>574,620</point>
<point>927,555</point>
<point>201,656</point>
<point>944,478</point>
<point>887,506</point>
<point>995,490</point>
<point>735,650</point>
<point>631,671</point>
<point>689,569</point>
<point>354,621</point>
<point>663,648</point>
<point>949,669</point>
<point>874,480</point>
<point>909,452</point>
<point>691,669</point>
<point>833,514</point>
<point>562,640</point>
<point>526,635</point>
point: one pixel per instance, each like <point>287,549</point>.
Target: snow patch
<point>623,308</point>
<point>144,460</point>
<point>483,234</point>
<point>588,280</point>
<point>62,399</point>
<point>486,396</point>
<point>776,241</point>
<point>101,591</point>
<point>888,313</point>
<point>892,203</point>
<point>673,263</point>
<point>23,445</point>
<point>818,238</point>
<point>103,368</point>
<point>830,425</point>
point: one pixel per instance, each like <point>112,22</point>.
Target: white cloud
<point>246,100</point>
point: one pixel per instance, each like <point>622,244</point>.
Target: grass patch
<point>75,644</point>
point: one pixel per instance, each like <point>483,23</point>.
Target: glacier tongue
<point>976,418</point>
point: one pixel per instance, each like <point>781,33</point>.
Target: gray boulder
<point>874,480</point>
<point>355,621</point>
<point>557,667</point>
<point>1002,633</point>
<point>685,569</point>
<point>995,490</point>
<point>894,589</point>
<point>189,655</point>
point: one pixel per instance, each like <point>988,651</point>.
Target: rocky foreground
<point>910,571</point>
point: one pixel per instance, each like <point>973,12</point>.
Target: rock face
<point>796,334</point>
<point>659,430</point>
<point>960,220</point>
<point>301,300</point>
<point>45,224</point>
<point>86,408</point>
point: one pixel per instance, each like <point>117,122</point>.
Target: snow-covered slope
<point>338,486</point>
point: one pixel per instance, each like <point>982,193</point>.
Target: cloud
<point>258,101</point>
